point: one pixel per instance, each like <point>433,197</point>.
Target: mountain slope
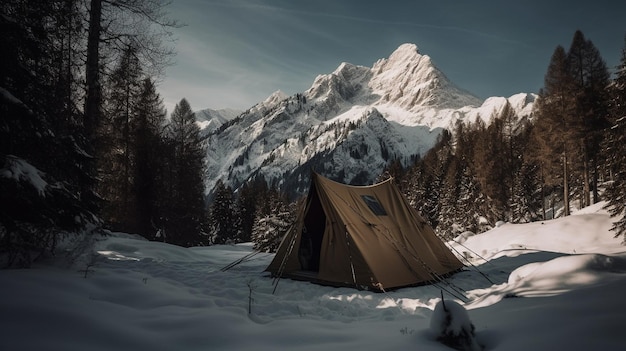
<point>210,120</point>
<point>348,125</point>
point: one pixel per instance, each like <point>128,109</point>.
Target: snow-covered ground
<point>556,285</point>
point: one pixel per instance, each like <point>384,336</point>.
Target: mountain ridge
<point>209,119</point>
<point>348,125</point>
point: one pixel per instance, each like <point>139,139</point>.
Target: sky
<point>235,53</point>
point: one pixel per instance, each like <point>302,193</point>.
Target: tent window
<point>374,205</point>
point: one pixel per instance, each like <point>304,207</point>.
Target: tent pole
<point>350,258</point>
<point>247,257</point>
<point>431,273</point>
<point>471,264</point>
<point>281,268</point>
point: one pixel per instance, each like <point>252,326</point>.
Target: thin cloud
<point>360,19</point>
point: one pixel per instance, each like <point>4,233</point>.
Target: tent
<point>367,237</point>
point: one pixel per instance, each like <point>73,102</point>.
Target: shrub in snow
<point>451,326</point>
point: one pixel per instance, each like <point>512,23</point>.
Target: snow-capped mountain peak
<point>349,124</point>
<point>405,56</point>
<point>411,80</point>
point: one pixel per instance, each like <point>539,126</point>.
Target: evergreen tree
<point>393,169</point>
<point>591,79</point>
<point>435,164</point>
<point>489,165</point>
<point>449,216</point>
<point>527,200</point>
<point>527,192</point>
<point>616,148</point>
<point>116,137</point>
<point>469,200</point>
<point>430,197</point>
<point>411,182</point>
<point>246,208</point>
<point>41,145</point>
<point>112,27</point>
<point>187,207</point>
<point>271,226</point>
<point>148,164</point>
<point>56,55</point>
<point>553,130</point>
<point>222,215</point>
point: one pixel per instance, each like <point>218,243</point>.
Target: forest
<point>86,144</point>
<point>570,151</point>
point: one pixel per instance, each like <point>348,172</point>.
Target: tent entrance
<point>312,236</point>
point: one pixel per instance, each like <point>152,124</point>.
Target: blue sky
<point>235,53</point>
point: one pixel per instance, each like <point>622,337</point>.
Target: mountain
<point>210,120</point>
<point>348,125</point>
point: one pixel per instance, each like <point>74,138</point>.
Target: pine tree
<point>222,215</point>
<point>115,142</point>
<point>527,192</point>
<point>527,200</point>
<point>553,127</point>
<point>616,148</point>
<point>246,205</point>
<point>41,145</point>
<point>112,27</point>
<point>591,78</point>
<point>271,226</point>
<point>470,202</point>
<point>411,184</point>
<point>434,166</point>
<point>187,208</point>
<point>148,163</point>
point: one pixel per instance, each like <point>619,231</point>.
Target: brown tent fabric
<point>367,237</point>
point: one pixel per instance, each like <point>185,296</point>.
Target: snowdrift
<point>556,283</point>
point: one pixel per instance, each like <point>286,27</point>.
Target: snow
<point>406,89</point>
<point>209,120</point>
<point>20,170</point>
<point>7,96</point>
<point>557,284</point>
<point>459,318</point>
<point>451,325</point>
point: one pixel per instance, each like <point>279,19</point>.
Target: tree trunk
<point>565,187</point>
<point>586,189</point>
<point>543,195</point>
<point>594,180</point>
<point>92,73</point>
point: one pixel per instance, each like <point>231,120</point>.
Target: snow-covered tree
<point>222,215</point>
<point>616,148</point>
<point>527,200</point>
<point>42,159</point>
<point>246,205</point>
<point>273,223</point>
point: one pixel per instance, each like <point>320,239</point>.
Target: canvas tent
<point>362,236</point>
